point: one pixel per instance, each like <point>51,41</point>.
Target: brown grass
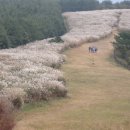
<point>99,92</point>
<point>6,115</point>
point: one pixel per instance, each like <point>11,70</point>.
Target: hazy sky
<point>114,0</point>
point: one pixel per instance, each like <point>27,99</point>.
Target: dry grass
<point>7,121</point>
<point>89,26</point>
<point>34,67</point>
<point>124,23</point>
<point>33,70</point>
<point>99,95</point>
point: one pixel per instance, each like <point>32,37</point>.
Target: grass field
<point>98,99</point>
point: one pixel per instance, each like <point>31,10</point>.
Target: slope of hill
<point>94,25</point>
<point>99,93</point>
<point>31,72</point>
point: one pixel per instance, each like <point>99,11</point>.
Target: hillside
<point>99,94</point>
<point>33,73</point>
<point>93,25</point>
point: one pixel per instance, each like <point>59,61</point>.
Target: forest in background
<point>24,21</point>
<point>85,5</point>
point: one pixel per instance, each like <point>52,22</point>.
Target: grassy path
<point>99,95</point>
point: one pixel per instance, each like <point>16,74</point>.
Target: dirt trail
<point>99,92</point>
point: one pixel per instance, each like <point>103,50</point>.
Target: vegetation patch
<point>25,21</point>
<point>7,121</point>
<point>56,40</point>
<point>122,48</point>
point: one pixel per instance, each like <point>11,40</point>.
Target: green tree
<point>125,4</point>
<point>23,21</point>
<point>122,46</point>
<point>107,4</point>
<point>4,41</point>
<point>79,5</point>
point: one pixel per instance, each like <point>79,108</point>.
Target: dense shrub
<point>28,75</point>
<point>56,40</point>
<point>6,115</point>
<point>122,48</point>
<point>18,102</point>
<point>46,91</point>
<point>37,94</point>
<point>22,21</point>
<point>15,95</point>
<point>58,91</point>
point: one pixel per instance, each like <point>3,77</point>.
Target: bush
<point>37,94</point>
<point>28,79</point>
<point>59,92</point>
<point>18,102</point>
<point>122,48</point>
<point>15,95</point>
<point>57,89</point>
<point>6,115</point>
<point>57,40</point>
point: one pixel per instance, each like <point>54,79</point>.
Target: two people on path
<point>93,49</point>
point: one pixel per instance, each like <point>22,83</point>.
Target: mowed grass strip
<point>98,99</point>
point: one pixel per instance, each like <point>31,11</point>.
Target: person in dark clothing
<point>90,49</point>
<point>93,49</point>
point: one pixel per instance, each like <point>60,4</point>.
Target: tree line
<point>107,4</point>
<point>85,5</point>
<point>23,21</point>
